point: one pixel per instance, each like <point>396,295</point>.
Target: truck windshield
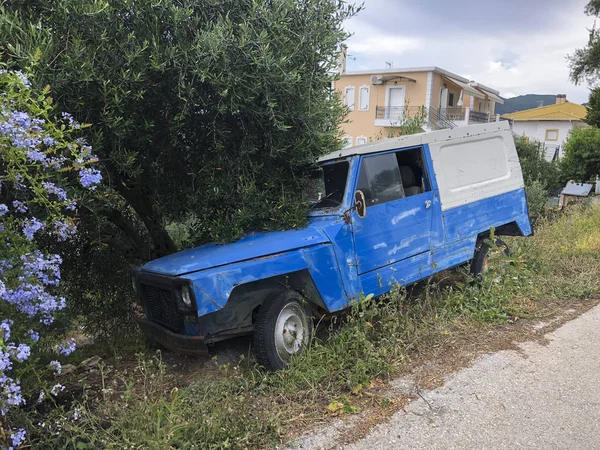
<point>325,186</point>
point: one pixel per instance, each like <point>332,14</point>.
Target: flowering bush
<point>43,166</point>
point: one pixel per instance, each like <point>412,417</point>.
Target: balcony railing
<point>454,114</point>
<point>434,119</point>
<point>400,113</point>
<point>478,117</point>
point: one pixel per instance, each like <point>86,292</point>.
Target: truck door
<point>399,199</point>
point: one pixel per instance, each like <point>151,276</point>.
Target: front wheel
<point>283,328</point>
<point>479,264</point>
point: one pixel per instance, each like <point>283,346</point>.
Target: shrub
<point>582,155</point>
<point>41,163</point>
<point>541,177</point>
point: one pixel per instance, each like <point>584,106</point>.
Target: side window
<point>413,171</point>
<point>379,179</point>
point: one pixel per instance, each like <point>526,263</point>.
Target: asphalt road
<point>544,397</point>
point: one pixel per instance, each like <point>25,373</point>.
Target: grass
<point>241,406</point>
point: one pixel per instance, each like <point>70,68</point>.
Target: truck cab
<point>391,212</point>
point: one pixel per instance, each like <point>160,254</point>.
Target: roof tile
<point>563,111</point>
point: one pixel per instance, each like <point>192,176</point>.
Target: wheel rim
<point>291,331</point>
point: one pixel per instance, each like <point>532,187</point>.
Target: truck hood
<point>252,246</point>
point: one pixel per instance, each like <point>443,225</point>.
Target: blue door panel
<point>480,216</point>
<point>403,272</point>
<point>393,231</point>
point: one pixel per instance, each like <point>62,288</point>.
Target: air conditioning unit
<point>376,79</point>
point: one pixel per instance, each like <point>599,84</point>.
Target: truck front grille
<point>160,305</point>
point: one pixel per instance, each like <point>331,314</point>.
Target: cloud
<point>514,46</point>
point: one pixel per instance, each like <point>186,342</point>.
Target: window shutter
<point>349,95</point>
<point>363,98</point>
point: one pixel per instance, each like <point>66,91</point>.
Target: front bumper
<point>178,343</point>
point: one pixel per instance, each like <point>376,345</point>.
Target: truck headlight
<point>133,284</point>
<point>186,296</point>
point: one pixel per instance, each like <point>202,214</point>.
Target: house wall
<point>362,123</point>
<point>536,129</point>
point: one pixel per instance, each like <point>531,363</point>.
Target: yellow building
<point>381,101</point>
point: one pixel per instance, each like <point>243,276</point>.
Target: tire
<point>480,261</point>
<point>283,329</point>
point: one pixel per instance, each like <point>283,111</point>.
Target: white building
<point>549,125</point>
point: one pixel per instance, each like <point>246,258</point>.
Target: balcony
<point>465,116</point>
<point>397,116</point>
<point>432,119</point>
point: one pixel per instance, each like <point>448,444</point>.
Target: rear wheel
<point>480,263</point>
<point>283,328</point>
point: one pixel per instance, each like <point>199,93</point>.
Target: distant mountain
<point>523,102</point>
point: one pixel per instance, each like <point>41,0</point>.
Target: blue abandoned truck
<point>395,211</point>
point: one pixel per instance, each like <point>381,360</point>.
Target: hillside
<point>523,102</point>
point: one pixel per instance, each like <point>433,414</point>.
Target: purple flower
<point>2,288</point>
<point>89,177</point>
<point>67,348</point>
<point>33,335</point>
<point>49,142</point>
<point>68,117</point>
<point>23,352</point>
<point>3,209</point>
<point>18,437</point>
<point>64,230</point>
<point>36,155</point>
<point>30,227</point>
<point>5,362</point>
<point>51,188</point>
<point>19,206</point>
<point>56,366</point>
<point>5,327</point>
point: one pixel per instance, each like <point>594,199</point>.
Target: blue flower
<point>5,326</point>
<point>19,206</point>
<point>68,348</point>
<point>56,366</point>
<point>33,335</point>
<point>3,209</point>
<point>36,155</point>
<point>89,177</point>
<point>51,188</point>
<point>23,352</point>
<point>30,227</point>
<point>18,437</point>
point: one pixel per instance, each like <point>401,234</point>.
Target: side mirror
<point>360,204</point>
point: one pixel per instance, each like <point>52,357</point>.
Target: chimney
<point>561,98</point>
<point>343,57</point>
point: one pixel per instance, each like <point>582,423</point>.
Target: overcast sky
<point>514,46</point>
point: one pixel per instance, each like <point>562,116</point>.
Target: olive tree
<point>202,112</point>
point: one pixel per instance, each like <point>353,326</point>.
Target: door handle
<point>427,204</point>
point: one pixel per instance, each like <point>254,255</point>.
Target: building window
<point>450,99</point>
<point>363,98</point>
<point>349,94</point>
<point>361,140</point>
<point>348,141</point>
<point>552,135</point>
